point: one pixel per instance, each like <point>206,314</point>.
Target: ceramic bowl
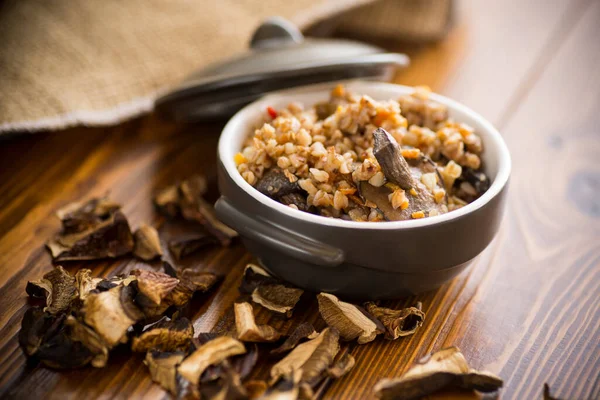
<point>359,259</point>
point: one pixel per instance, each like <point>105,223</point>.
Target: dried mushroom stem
<point>147,243</point>
<point>348,319</point>
<point>398,323</point>
<point>248,330</point>
<point>213,352</point>
<point>445,368</point>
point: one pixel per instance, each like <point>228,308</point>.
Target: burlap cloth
<point>64,63</point>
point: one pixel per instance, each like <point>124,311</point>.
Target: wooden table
<point>529,307</point>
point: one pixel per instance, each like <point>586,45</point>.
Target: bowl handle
<point>285,241</point>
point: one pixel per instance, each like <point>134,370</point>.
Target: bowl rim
<point>500,181</point>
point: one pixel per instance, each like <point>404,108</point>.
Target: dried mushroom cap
<point>85,283</point>
<point>311,358</point>
<point>248,330</point>
<point>165,335</point>
<point>268,291</point>
<point>348,319</point>
<point>302,331</point>
<point>163,368</point>
<point>80,332</point>
<point>398,323</point>
<point>155,286</point>
<point>110,315</point>
<point>59,288</point>
<point>445,368</point>
<point>104,238</point>
<point>278,298</point>
<point>342,366</point>
<point>147,243</point>
<point>213,352</point>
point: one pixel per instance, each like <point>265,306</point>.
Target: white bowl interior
<point>496,158</point>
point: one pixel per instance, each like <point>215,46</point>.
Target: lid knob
<point>273,32</point>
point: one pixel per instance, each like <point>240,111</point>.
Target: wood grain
<point>529,307</point>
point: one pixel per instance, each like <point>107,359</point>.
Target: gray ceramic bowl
<point>359,259</point>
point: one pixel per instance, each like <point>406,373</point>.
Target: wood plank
<point>514,312</point>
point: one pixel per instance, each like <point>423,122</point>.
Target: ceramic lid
<point>279,57</point>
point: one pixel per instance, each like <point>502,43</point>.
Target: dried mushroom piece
<point>195,208</point>
<point>268,291</point>
<point>302,331</point>
<point>165,335</point>
<point>80,332</point>
<point>342,366</point>
<point>167,201</point>
<point>255,388</point>
<point>163,368</point>
<point>45,337</point>
<point>445,368</point>
<point>190,282</point>
<point>275,184</point>
<point>85,283</point>
<point>111,314</point>
<point>417,199</point>
<point>147,243</point>
<point>80,216</point>
<point>154,286</point>
<point>311,359</point>
<point>213,352</point>
<point>398,323</point>
<point>119,280</point>
<point>278,298</point>
<point>283,389</point>
<point>58,286</point>
<point>35,327</point>
<point>248,330</point>
<point>348,319</point>
<point>93,230</point>
<point>228,386</point>
<point>187,244</point>
<point>547,395</point>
